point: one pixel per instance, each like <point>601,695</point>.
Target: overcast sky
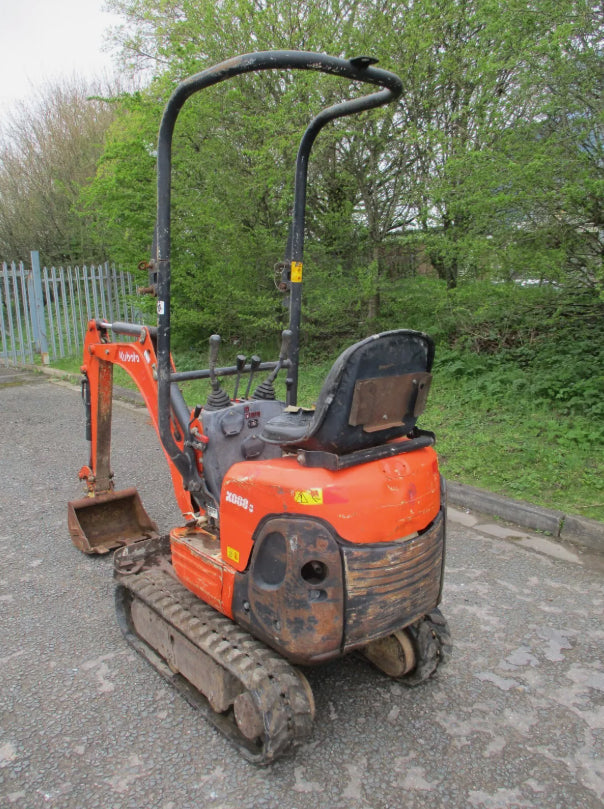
<point>42,40</point>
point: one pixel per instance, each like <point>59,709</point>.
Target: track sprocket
<point>431,641</point>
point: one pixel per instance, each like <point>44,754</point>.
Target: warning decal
<point>309,497</point>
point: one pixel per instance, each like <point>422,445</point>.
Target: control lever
<point>254,365</point>
<point>214,346</point>
<point>218,398</point>
<point>266,389</point>
<point>240,366</point>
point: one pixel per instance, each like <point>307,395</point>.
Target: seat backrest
<point>374,392</point>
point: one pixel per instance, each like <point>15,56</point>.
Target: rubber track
<point>276,688</point>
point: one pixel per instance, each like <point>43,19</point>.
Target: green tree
<point>118,205</point>
<point>236,150</point>
<point>456,169</point>
<point>505,118</point>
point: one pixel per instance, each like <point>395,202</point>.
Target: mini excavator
<point>307,534</point>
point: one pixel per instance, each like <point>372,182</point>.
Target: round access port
<point>314,572</point>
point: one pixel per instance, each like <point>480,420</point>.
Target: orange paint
<point>197,563</point>
<point>138,359</point>
<point>379,501</point>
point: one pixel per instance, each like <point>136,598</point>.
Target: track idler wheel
<point>247,716</point>
<point>412,655</point>
<point>394,654</point>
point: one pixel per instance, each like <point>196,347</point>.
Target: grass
<point>491,431</point>
<point>522,450</point>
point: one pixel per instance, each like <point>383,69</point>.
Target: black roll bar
<point>359,69</point>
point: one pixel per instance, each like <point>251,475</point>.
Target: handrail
<point>359,69</point>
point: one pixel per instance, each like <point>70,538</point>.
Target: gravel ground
<point>515,720</point>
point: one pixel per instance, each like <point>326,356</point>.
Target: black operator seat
<point>374,393</point>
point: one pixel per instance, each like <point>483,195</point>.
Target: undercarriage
<point>262,703</point>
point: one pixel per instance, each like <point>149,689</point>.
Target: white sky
<point>42,40</point>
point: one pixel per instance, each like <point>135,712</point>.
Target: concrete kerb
<point>515,511</point>
<point>570,528</point>
<point>563,527</point>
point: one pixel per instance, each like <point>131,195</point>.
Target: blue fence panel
<point>44,312</point>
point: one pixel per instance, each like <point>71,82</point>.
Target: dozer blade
<point>110,520</point>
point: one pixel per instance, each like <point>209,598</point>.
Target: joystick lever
<point>266,389</point>
<point>218,397</point>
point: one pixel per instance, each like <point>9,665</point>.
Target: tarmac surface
<point>515,720</point>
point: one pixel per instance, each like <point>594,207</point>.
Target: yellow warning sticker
<point>232,554</point>
<point>309,497</point>
<point>296,272</point>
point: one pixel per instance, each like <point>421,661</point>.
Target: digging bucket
<point>99,524</point>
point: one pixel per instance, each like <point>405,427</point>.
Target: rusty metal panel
<point>292,597</point>
<point>385,401</point>
<point>390,585</point>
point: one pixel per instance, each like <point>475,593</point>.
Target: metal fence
<point>45,311</point>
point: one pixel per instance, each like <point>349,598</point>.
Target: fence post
<point>38,318</point>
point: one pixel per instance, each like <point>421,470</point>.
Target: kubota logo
<point>129,356</point>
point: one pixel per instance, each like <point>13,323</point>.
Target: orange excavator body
<point>307,534</point>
